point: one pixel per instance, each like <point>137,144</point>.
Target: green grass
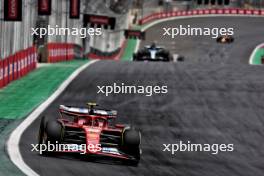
<point>130,47</point>
<point>258,55</point>
<point>20,97</point>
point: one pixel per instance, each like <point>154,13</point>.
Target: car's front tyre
<point>131,144</point>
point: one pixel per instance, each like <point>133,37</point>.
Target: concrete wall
<point>60,16</point>
<point>111,39</point>
<point>15,36</point>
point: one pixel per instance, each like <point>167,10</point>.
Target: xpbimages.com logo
<point>64,31</point>
<point>189,30</point>
<point>57,147</point>
<point>129,89</point>
<point>192,147</point>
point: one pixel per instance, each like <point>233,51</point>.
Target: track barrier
<point>58,52</point>
<point>17,65</point>
<point>163,15</point>
<point>22,62</point>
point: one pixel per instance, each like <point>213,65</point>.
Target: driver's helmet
<point>99,123</point>
<point>153,45</point>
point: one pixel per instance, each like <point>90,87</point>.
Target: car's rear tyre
<point>54,131</point>
<point>42,127</point>
<point>42,138</point>
<point>134,57</point>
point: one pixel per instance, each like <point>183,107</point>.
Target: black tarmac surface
<point>248,33</point>
<point>213,97</point>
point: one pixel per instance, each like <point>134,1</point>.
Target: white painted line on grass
<point>251,58</point>
<point>14,138</point>
<point>39,65</point>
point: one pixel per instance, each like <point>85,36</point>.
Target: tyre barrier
<point>163,15</point>
<point>58,52</point>
<point>17,65</point>
<point>113,55</point>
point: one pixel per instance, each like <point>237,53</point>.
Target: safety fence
<point>163,15</point>
<point>17,65</point>
<point>22,62</point>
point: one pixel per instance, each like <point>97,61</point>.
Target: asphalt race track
<point>248,33</point>
<point>211,99</point>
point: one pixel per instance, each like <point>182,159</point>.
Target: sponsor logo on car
<point>110,150</point>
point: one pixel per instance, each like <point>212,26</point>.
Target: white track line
<point>254,53</point>
<point>14,139</point>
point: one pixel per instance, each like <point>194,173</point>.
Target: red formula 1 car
<point>225,39</point>
<point>89,131</point>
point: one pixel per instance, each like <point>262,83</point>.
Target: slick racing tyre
<point>131,138</point>
<point>131,142</point>
<point>165,55</point>
<point>42,138</point>
<point>42,127</point>
<point>180,59</point>
<point>54,131</point>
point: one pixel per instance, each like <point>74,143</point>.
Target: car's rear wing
<point>157,47</point>
<point>86,111</point>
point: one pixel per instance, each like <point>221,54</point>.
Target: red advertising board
<point>1,74</point>
<point>12,10</point>
<point>18,65</point>
<point>5,61</point>
<point>44,7</point>
<point>10,69</point>
<point>99,20</point>
<point>31,58</point>
<point>26,56</point>
<point>15,67</point>
<point>137,34</point>
<point>22,64</point>
<point>75,9</point>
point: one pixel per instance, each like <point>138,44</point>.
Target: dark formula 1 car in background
<point>89,131</point>
<point>225,39</point>
<point>155,53</point>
